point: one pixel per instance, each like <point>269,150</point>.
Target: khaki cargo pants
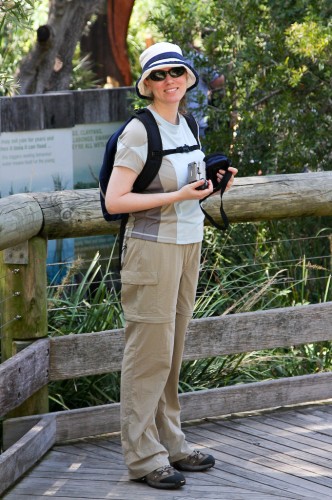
<point>158,293</point>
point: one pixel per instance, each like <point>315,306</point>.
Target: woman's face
<point>170,90</point>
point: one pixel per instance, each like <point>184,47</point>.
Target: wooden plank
<point>21,113</point>
<point>289,478</point>
<point>179,496</point>
<point>269,452</point>
<point>24,454</point>
<point>93,421</point>
<point>321,430</point>
<point>289,425</point>
<point>256,396</point>
<point>95,353</point>
<point>74,356</point>
<point>18,381</point>
<point>101,489</point>
<point>73,424</point>
<point>310,447</point>
<point>21,219</point>
<point>63,109</point>
<point>102,105</point>
<point>58,113</point>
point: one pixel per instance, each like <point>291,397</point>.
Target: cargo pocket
<point>139,295</point>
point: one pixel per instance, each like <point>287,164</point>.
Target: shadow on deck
<point>285,453</point>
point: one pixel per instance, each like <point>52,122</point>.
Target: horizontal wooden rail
<point>95,353</point>
<point>94,421</point>
<point>65,214</point>
<point>24,453</point>
<point>23,374</point>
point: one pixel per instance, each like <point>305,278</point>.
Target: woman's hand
<point>221,173</point>
<point>190,191</point>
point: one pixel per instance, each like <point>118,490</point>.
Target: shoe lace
<point>162,471</point>
<point>196,455</point>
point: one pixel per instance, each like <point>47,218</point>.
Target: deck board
<point>283,454</point>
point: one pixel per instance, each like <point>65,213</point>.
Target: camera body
<point>194,174</point>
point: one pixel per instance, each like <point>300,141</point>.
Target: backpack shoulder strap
<point>192,124</point>
<point>154,143</point>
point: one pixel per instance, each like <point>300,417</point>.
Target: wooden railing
<point>25,373</point>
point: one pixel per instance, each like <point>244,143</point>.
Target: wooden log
<point>24,310</point>
<point>94,421</point>
<point>269,197</point>
<point>22,455</point>
<point>95,353</point>
<point>75,213</point>
<point>24,374</point>
<point>21,219</point>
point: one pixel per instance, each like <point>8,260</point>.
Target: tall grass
<point>251,267</point>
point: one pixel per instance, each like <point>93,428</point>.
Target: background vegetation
<point>273,115</point>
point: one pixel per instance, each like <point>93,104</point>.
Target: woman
<point>160,266</point>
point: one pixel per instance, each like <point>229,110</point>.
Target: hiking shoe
<point>196,461</point>
<point>164,478</point>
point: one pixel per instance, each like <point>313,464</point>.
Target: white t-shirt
<point>181,222</point>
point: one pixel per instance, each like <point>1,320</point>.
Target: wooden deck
<point>283,454</point>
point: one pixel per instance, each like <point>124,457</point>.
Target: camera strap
<point>221,186</point>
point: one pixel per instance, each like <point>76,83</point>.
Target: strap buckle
<point>183,149</point>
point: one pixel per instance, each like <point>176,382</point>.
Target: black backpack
<point>152,165</point>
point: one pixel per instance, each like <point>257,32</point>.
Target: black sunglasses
<point>159,75</point>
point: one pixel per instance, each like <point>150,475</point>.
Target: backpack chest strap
<point>180,149</point>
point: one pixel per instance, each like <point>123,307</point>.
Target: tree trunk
<point>118,13</point>
<point>106,42</point>
<point>48,67</point>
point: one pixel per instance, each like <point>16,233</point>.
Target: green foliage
<point>83,77</point>
<point>274,114</point>
<point>86,300</point>
<point>18,20</point>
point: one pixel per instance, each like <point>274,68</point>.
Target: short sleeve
<point>132,147</point>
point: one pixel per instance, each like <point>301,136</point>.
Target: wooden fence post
<point>23,308</point>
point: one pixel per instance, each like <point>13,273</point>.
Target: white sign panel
<point>89,143</point>
<point>35,161</point>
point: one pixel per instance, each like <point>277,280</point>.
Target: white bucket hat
<point>162,55</point>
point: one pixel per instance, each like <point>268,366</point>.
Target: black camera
<point>213,163</point>
<point>194,174</point>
